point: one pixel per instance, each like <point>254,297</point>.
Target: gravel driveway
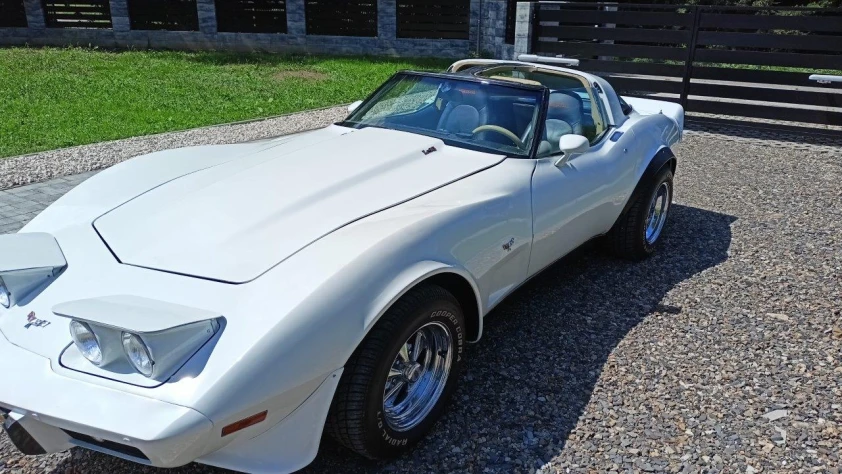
<point>723,353</point>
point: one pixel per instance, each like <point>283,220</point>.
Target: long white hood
<point>234,221</point>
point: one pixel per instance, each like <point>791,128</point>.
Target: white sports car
<point>227,304</point>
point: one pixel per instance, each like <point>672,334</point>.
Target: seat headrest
<point>565,106</point>
<point>463,119</point>
<point>471,95</point>
<point>452,95</point>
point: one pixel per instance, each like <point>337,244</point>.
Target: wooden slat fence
<point>251,16</point>
<point>172,15</point>
<point>433,19</point>
<point>341,17</point>
<point>77,13</point>
<point>751,62</point>
<point>511,20</point>
<point>12,14</point>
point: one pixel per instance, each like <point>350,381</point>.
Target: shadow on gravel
<point>550,341</point>
<point>530,378</point>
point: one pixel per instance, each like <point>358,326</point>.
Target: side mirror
<point>571,145</point>
<point>354,106</point>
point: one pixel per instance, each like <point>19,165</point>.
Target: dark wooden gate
<point>751,62</point>
<point>12,14</point>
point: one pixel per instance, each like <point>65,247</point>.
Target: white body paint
<point>300,243</point>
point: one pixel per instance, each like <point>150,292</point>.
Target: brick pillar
<point>34,14</point>
<point>493,27</point>
<point>296,21</point>
<point>387,16</point>
<point>207,16</point>
<point>523,28</point>
<point>475,29</point>
<point>120,15</point>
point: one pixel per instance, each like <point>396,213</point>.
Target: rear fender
<point>664,157</point>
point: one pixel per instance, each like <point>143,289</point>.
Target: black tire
<point>628,237</point>
<point>356,417</point>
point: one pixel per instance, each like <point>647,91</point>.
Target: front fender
<point>303,319</point>
<point>411,277</point>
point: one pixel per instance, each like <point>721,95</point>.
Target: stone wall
<point>486,37</point>
<point>492,29</point>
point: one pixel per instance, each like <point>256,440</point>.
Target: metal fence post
<point>609,7</point>
<point>524,28</point>
<point>691,56</point>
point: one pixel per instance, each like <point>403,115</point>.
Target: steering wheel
<point>502,131</point>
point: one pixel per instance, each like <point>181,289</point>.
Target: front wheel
<point>397,383</point>
<point>635,234</point>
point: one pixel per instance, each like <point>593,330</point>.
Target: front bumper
<point>59,413</point>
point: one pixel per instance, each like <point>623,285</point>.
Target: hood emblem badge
<point>428,150</point>
<point>35,322</point>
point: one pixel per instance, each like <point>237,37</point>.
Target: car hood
<point>234,221</point>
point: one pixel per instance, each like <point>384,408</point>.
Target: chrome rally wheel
<point>417,376</point>
<point>638,230</point>
<point>398,381</point>
<point>658,210</point>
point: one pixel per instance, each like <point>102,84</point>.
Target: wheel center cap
<point>412,372</point>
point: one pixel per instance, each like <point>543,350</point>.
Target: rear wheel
<point>397,383</point>
<point>637,232</point>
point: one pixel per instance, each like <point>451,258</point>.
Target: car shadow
<point>550,340</point>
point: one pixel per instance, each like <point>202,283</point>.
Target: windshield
<point>464,113</point>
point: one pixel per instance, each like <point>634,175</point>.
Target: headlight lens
<point>86,341</point>
<point>138,353</point>
<point>5,297</point>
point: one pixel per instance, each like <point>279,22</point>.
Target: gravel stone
<point>667,365</point>
<point>776,415</point>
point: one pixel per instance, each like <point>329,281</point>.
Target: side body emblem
<point>508,245</point>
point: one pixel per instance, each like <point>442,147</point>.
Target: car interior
<point>570,109</point>
<point>489,114</point>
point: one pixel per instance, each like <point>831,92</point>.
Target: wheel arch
<point>663,157</point>
<point>457,281</point>
<point>461,288</point>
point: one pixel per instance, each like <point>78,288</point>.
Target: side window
<point>572,110</point>
<point>593,121</point>
<point>597,119</point>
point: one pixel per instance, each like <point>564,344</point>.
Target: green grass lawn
<point>53,98</point>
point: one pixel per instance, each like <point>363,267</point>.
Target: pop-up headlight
<point>28,263</point>
<point>134,339</point>
<point>86,341</point>
<point>138,353</point>
<point>5,297</point>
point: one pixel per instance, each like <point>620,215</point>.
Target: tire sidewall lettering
<point>384,433</point>
<point>383,438</point>
<point>460,337</point>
